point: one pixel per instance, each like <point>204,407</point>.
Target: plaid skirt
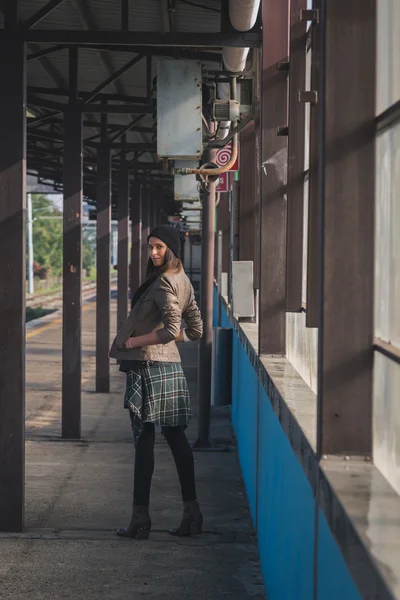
<point>157,394</point>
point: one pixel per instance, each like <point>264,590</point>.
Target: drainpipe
<point>243,16</point>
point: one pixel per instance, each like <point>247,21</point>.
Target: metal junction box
<point>186,187</point>
<point>179,109</point>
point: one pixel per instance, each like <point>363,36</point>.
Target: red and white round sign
<point>224,155</point>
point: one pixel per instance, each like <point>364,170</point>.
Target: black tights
<point>144,463</point>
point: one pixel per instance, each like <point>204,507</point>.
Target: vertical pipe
<point>12,282</point>
<point>103,262</point>
<point>72,260</point>
<point>219,275</point>
<point>136,247</point>
<point>234,233</point>
<point>29,222</point>
<point>206,306</point>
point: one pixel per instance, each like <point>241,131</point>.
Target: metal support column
<point>12,282</point>
<point>123,244</point>
<point>272,315</point>
<point>72,261</point>
<point>103,262</point>
<point>234,231</point>
<point>296,138</point>
<point>29,226</point>
<point>136,247</point>
<point>145,229</point>
<point>206,307</point>
<point>347,230</point>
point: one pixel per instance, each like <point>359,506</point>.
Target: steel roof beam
<point>111,79</point>
<point>46,51</point>
<point>42,13</point>
<point>61,91</point>
<point>138,38</point>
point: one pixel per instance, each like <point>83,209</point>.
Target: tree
<point>48,238</point>
<point>47,234</point>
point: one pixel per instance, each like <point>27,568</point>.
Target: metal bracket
<point>308,96</point>
<point>282,131</point>
<point>311,14</point>
<point>283,66</point>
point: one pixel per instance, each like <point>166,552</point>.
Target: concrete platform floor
<point>79,492</point>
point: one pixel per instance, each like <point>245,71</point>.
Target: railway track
<point>54,300</point>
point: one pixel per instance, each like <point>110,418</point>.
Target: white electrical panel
<point>179,109</point>
<point>243,288</point>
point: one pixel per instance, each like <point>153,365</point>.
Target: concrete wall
<point>281,498</point>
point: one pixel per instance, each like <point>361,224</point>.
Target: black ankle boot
<point>140,524</point>
<point>192,520</point>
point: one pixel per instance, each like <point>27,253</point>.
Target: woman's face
<point>157,250</point>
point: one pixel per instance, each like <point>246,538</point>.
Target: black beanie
<point>171,236</point>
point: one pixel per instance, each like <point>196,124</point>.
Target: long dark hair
<point>172,264</point>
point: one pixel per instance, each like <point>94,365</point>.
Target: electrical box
<point>243,288</point>
<point>186,187</point>
<point>179,109</point>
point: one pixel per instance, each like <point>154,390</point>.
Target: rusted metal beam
<point>145,229</point>
<point>206,307</point>
<point>272,316</point>
<point>136,246</point>
<point>347,233</point>
<point>103,197</point>
<point>296,137</point>
<point>12,283</point>
<point>123,244</point>
<point>72,261</point>
<point>313,182</point>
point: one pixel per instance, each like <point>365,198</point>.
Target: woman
<point>156,387</point>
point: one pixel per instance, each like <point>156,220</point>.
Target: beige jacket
<point>162,307</point>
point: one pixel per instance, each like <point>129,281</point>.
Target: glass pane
<point>387,237</point>
<point>388,49</point>
<point>386,419</point>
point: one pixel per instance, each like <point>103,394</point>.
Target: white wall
<point>301,348</point>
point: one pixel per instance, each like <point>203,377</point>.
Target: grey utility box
<point>221,393</point>
<point>186,187</point>
<point>243,289</point>
<point>179,109</point>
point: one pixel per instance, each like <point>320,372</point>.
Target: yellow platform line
<point>53,324</point>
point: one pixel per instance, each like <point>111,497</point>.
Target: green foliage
<point>48,238</point>
<point>47,234</point>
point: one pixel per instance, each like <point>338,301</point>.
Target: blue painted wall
<point>281,500</point>
<point>334,579</point>
<point>285,513</point>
